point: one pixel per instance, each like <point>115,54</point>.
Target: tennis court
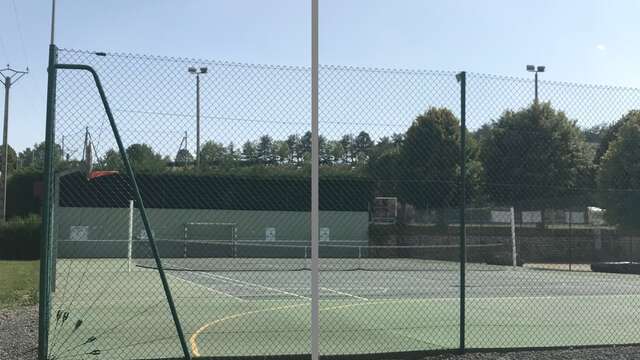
<point>397,189</point>
<point>261,306</point>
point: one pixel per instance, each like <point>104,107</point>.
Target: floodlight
<point>203,70</point>
<point>192,70</point>
<point>531,68</point>
<point>540,69</point>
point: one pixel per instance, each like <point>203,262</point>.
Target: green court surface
<point>114,313</point>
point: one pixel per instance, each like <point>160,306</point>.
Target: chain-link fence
<point>515,230</point>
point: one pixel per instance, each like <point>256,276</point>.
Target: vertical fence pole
<point>514,247</point>
<point>462,79</point>
<point>130,238</point>
<point>46,240</point>
<point>315,186</point>
<point>570,238</point>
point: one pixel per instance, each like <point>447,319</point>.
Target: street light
<point>536,70</point>
<point>197,72</point>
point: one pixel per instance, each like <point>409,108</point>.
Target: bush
<point>24,193</point>
<point>20,239</point>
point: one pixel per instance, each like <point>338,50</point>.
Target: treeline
<point>534,158</point>
<point>293,152</point>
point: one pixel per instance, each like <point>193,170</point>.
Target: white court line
<point>248,284</point>
<point>343,288</point>
<point>215,291</point>
<point>344,293</point>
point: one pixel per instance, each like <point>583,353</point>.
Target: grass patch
<point>18,283</point>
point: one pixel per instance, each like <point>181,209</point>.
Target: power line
<point>24,49</point>
<point>3,48</point>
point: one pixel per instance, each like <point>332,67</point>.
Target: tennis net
<point>296,256</point>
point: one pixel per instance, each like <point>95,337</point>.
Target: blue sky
<point>585,41</point>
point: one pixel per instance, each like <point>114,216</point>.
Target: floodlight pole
<point>536,87</point>
<point>535,70</point>
<point>197,72</point>
<point>8,75</point>
<point>198,121</point>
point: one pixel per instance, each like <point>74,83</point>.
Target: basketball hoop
<point>100,173</point>
<point>88,164</point>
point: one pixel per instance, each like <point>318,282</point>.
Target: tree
<point>534,155</point>
<point>397,139</point>
<point>363,145</point>
<point>249,152</point>
<point>348,144</point>
<point>13,159</point>
<point>324,152</point>
<point>383,146</point>
<point>430,162</point>
<point>305,142</point>
<point>619,178</point>
<point>184,157</point>
<point>293,145</point>
<point>144,159</point>
<point>264,150</point>
<point>595,134</point>
<point>112,160</point>
<point>281,151</point>
<point>34,157</point>
<point>386,171</point>
<point>336,151</point>
<point>610,134</point>
<point>231,155</point>
<point>212,154</point>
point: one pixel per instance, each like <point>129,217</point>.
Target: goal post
<point>385,209</point>
<point>212,231</point>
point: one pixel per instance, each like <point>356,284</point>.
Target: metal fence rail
<point>456,211</point>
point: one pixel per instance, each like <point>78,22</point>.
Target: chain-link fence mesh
<point>550,193</point>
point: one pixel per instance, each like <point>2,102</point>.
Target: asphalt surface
<point>19,333</point>
<point>608,353</point>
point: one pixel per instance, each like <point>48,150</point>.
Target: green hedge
<point>24,193</point>
<point>20,238</point>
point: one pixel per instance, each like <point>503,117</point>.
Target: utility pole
<point>9,77</point>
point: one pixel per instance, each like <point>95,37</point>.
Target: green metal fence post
<point>462,79</point>
<point>46,240</point>
<point>139,202</point>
